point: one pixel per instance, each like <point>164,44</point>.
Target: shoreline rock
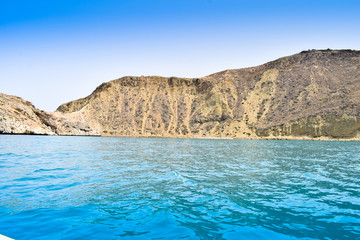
<point>18,116</point>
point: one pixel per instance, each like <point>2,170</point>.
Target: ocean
<point>54,187</point>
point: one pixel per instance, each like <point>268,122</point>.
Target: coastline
<point>300,138</point>
<point>291,138</point>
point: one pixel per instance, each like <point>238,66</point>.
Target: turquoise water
<point>153,188</point>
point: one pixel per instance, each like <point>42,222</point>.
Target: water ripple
<point>144,188</point>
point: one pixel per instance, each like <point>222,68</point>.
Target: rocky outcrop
<point>18,116</point>
<point>312,94</point>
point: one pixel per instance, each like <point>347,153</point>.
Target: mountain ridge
<point>312,94</point>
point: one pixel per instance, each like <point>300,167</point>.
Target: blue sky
<point>54,51</point>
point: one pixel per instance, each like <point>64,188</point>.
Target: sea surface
<point>163,188</point>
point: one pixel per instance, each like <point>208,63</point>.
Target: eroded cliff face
<point>18,116</point>
<point>311,94</point>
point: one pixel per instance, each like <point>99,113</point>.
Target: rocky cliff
<point>312,94</point>
<point>18,116</point>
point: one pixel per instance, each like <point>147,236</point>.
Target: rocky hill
<point>18,116</point>
<point>313,94</point>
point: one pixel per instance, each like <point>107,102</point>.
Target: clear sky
<point>55,51</point>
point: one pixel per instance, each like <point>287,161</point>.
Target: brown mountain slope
<point>314,93</point>
<point>18,116</point>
